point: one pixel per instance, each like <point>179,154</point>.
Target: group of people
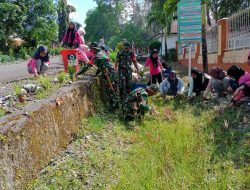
<point>119,76</point>
<point>118,79</point>
<point>234,81</point>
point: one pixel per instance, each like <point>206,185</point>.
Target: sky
<point>82,7</point>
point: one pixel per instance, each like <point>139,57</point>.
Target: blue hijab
<point>40,50</point>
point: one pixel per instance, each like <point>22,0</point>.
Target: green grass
<point>185,146</point>
<point>47,88</point>
<point>2,112</point>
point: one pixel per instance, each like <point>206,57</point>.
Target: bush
<point>172,55</point>
<point>155,45</point>
<point>11,54</point>
<point>31,51</point>
<point>5,58</point>
<point>56,51</point>
<point>23,53</point>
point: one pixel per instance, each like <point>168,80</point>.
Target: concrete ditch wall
<point>29,139</point>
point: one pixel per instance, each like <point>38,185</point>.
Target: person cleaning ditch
<point>123,64</point>
<point>87,56</point>
<point>40,62</point>
<point>136,104</point>
<point>108,74</point>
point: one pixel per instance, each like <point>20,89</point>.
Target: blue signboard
<point>189,21</point>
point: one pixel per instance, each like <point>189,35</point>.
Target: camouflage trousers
<point>112,93</point>
<point>125,79</point>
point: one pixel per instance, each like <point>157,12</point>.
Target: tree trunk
<point>162,37</point>
<point>204,40</point>
<point>166,44</point>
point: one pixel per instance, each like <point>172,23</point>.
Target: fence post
<point>222,39</point>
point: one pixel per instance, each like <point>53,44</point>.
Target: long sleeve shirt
<point>165,86</point>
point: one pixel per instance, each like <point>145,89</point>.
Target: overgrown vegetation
<point>184,146</point>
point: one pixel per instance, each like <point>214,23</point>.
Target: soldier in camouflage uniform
<point>123,63</point>
<point>108,74</point>
<point>136,104</point>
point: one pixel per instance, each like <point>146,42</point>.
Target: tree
<point>103,21</point>
<point>11,18</point>
<point>159,15</point>
<point>63,19</point>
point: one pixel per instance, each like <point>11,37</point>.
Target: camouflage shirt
<point>125,59</point>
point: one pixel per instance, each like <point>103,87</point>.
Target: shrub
<point>5,58</point>
<point>155,45</point>
<point>17,88</point>
<point>45,83</point>
<point>11,54</point>
<point>172,55</point>
<point>23,53</point>
<point>72,71</point>
<point>61,77</point>
<point>55,51</point>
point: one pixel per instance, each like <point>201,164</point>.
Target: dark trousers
<point>155,79</point>
<point>233,84</point>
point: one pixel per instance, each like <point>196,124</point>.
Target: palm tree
<point>160,16</point>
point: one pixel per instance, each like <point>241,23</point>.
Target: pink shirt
<point>153,70</point>
<point>77,39</point>
<point>32,64</point>
<point>244,79</point>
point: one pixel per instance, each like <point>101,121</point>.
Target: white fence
<point>212,39</point>
<point>239,31</point>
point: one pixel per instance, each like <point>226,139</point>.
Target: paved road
<point>14,72</point>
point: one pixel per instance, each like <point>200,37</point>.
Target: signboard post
<point>189,25</point>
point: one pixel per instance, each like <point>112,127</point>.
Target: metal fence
<point>239,31</point>
<point>212,40</point>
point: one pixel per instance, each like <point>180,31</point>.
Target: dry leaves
<point>59,101</point>
<point>168,113</point>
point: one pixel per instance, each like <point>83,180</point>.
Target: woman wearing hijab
<point>218,82</point>
<point>240,82</point>
<point>39,63</point>
<point>72,38</point>
<point>172,85</point>
<point>154,63</point>
<point>82,34</point>
<point>198,82</point>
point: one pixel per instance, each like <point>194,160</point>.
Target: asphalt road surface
<point>18,71</point>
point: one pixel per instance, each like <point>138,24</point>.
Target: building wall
<point>223,58</point>
<point>171,42</point>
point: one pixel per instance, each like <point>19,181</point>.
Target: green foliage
<point>2,113</point>
<point>61,77</point>
<point>23,53</point>
<point>155,45</point>
<point>183,147</point>
<point>11,18</point>
<point>45,82</point>
<point>5,58</point>
<point>103,21</point>
<point>63,18</point>
<point>44,31</point>
<point>113,56</point>
<point>56,51</point>
<point>72,72</point>
<point>172,54</point>
<point>17,88</point>
<point>11,54</point>
<point>47,88</point>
